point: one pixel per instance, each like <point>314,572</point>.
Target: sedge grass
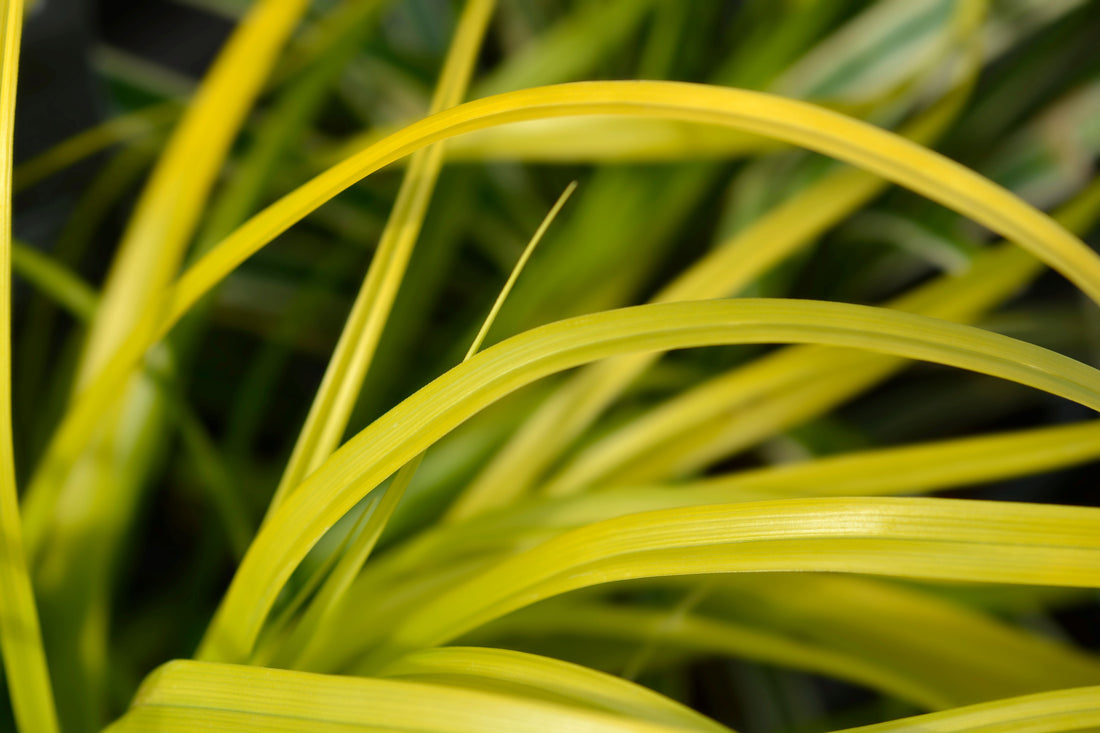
<point>631,523</point>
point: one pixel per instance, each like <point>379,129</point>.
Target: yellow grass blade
<point>922,467</point>
<point>696,635</point>
<point>482,332</point>
<point>920,538</point>
<point>407,430</point>
<point>28,680</point>
<point>200,696</point>
<point>879,630</point>
<point>586,140</point>
<point>967,655</point>
<point>863,145</point>
<point>528,675</point>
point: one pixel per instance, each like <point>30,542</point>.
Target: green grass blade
<point>568,50</point>
<point>20,636</point>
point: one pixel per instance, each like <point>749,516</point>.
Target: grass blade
<point>20,634</point>
<point>919,538</point>
<point>544,678</point>
<point>199,696</point>
<point>862,145</point>
<point>923,467</point>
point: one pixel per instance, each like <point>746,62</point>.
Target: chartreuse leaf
<point>925,467</point>
<point>1047,712</point>
<point>332,406</point>
<point>921,538</point>
<point>921,467</point>
<point>202,696</point>
<point>537,677</point>
<point>686,632</point>
<point>606,140</point>
<point>423,418</point>
<point>28,681</point>
<point>789,120</point>
<point>870,632</point>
